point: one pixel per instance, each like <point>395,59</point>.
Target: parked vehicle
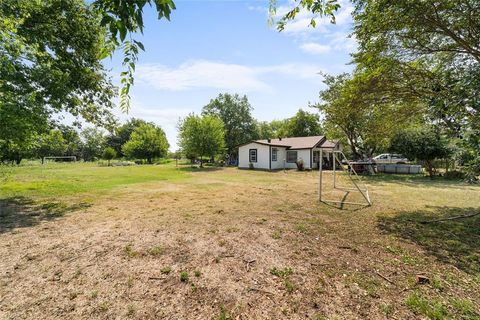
<point>390,158</point>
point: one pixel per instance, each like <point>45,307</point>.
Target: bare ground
<point>121,255</point>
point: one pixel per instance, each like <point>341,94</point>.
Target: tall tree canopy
<point>93,142</point>
<point>424,144</point>
<point>49,63</point>
<point>351,106</point>
<point>201,136</point>
<point>147,141</point>
<point>121,134</point>
<point>235,112</point>
<point>50,144</point>
<point>303,124</point>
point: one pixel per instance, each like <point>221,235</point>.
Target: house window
<point>292,156</point>
<point>253,155</point>
<point>274,154</point>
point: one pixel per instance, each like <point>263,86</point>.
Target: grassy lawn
<point>83,241</point>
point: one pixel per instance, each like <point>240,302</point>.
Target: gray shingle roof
<point>295,142</point>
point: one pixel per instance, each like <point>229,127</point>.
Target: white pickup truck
<point>390,158</point>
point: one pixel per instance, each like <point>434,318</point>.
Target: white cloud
<point>315,48</point>
<point>165,117</point>
<point>218,75</point>
<point>325,36</point>
<point>343,41</point>
<point>300,26</point>
<point>200,74</point>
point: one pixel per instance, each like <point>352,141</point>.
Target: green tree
<point>432,46</point>
<point>72,140</point>
<point>122,134</point>
<point>201,136</point>
<point>303,124</point>
<point>93,143</point>
<point>50,53</point>
<point>423,144</point>
<point>272,129</point>
<point>50,63</point>
<point>109,154</point>
<point>146,142</point>
<point>235,112</point>
<point>319,9</point>
<point>11,152</point>
<point>50,144</point>
<point>264,130</point>
<point>351,105</point>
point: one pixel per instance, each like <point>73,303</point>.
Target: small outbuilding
<point>283,153</point>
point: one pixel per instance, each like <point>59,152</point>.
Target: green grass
<point>54,179</point>
<point>184,276</point>
<point>430,308</point>
<point>281,273</point>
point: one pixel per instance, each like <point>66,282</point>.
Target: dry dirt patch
<point>226,244</point>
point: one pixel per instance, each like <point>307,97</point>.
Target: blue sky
<point>211,47</point>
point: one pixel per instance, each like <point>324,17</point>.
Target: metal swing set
<point>352,174</point>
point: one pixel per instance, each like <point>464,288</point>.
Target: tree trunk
<point>429,168</point>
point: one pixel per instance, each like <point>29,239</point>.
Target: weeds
<point>465,308</point>
<point>432,309</point>
<point>130,281</point>
<point>224,315</point>
<point>94,294</point>
<point>277,234</point>
<point>130,310</point>
<point>284,274</point>
<point>155,251</point>
<point>104,305</point>
<point>184,276</point>
<point>129,251</point>
<point>301,228</point>
<point>387,309</point>
<point>289,285</point>
<point>166,270</point>
<point>281,273</point>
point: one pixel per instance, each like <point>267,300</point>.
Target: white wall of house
<point>263,155</point>
<point>281,154</point>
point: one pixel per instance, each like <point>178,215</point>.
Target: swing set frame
<point>352,174</point>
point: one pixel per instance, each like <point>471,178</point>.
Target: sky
<point>213,47</point>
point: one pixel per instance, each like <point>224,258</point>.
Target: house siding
<point>303,154</point>
<point>263,154</point>
<point>281,156</point>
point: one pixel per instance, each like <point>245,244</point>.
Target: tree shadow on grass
<point>456,241</point>
<point>22,212</point>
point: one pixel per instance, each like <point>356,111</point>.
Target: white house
<point>272,154</point>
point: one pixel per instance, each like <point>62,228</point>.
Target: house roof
<point>297,142</point>
<point>294,142</point>
<point>329,144</point>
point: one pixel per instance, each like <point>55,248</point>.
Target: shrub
<point>455,175</point>
<point>300,165</point>
<point>109,154</point>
